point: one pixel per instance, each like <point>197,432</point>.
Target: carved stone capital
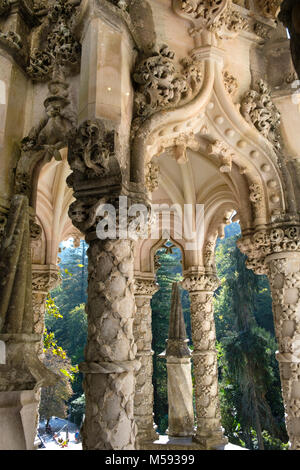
<point>44,278</point>
<point>194,282</point>
<point>276,239</point>
<point>145,287</point>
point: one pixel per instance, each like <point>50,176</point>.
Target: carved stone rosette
<point>284,278</point>
<point>142,330</point>
<point>209,432</point>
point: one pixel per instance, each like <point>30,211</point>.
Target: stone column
<point>110,354</point>
<point>142,328</point>
<point>21,372</point>
<point>110,363</point>
<point>284,277</point>
<point>201,287</point>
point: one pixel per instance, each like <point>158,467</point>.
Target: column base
<point>146,436</point>
<point>213,442</point>
<point>18,420</point>
<point>185,443</point>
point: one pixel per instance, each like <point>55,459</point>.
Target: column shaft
<point>284,277</point>
<point>143,399</point>
<point>110,366</point>
<point>209,431</point>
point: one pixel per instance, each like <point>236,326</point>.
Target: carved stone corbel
<point>46,138</point>
<point>159,85</point>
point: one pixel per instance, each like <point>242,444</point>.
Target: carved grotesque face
<point>77,213</point>
<point>53,109</point>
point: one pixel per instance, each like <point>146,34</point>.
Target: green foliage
<point>54,399</point>
<point>77,409</point>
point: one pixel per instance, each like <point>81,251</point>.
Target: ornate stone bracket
<point>50,135</point>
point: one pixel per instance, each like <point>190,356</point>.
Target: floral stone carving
<point>159,85</point>
<point>259,110</point>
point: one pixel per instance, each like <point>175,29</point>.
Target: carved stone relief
<point>160,85</point>
<point>216,16</point>
<point>60,48</point>
<point>259,110</point>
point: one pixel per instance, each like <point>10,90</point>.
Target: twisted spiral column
<point>209,432</point>
<point>284,278</point>
<point>142,328</point>
<point>110,363</point>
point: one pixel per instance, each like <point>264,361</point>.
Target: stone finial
<point>180,387</point>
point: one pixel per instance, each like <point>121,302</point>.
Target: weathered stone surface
<point>142,329</point>
<point>209,432</point>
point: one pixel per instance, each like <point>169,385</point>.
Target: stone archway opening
<point>168,267</point>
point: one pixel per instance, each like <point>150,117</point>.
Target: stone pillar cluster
<point>201,287</point>
<point>142,327</point>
